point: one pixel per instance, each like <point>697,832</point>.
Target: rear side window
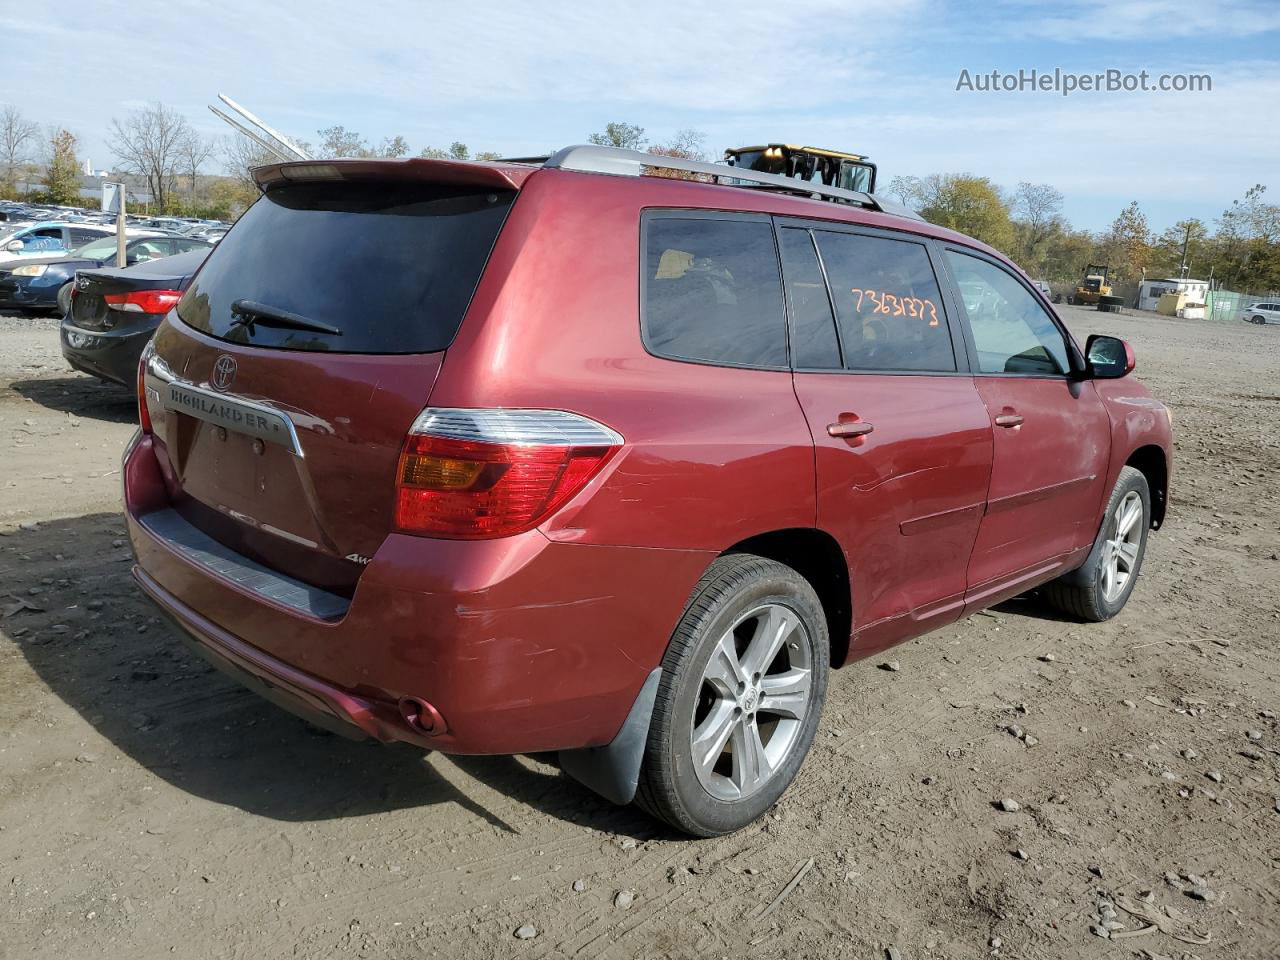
<point>887,303</point>
<point>813,327</point>
<point>390,265</point>
<point>712,292</point>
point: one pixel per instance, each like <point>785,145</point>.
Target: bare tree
<point>17,136</point>
<point>241,155</point>
<point>149,142</point>
<point>194,152</point>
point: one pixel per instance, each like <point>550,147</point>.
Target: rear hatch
<point>283,389</point>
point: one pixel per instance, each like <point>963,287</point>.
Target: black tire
<point>64,299</point>
<point>1258,320</point>
<point>1081,593</point>
<point>733,587</point>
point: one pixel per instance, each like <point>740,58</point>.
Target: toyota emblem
<point>224,372</point>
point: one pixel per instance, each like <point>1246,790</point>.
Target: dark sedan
<point>115,311</point>
<point>45,283</point>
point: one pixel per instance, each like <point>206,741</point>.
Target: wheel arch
<point>1151,461</point>
<point>815,555</point>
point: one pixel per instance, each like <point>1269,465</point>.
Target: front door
<point>902,438</point>
<point>1051,432</point>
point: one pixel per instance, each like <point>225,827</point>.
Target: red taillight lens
<point>475,474</point>
<point>144,415</point>
<point>144,301</point>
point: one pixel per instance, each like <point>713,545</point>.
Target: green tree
<point>337,142</point>
<point>62,174</point>
<point>1037,218</point>
<point>1248,243</point>
<point>1167,250</point>
<point>969,204</point>
<point>1126,246</point>
<point>458,151</point>
<point>628,136</point>
<point>1066,254</point>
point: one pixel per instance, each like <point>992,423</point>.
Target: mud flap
<point>613,771</point>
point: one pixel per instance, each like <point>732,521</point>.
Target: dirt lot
<point>149,808</point>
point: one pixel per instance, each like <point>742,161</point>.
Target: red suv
<point>513,458</point>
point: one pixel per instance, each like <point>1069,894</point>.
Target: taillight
<point>144,301</point>
<point>475,474</point>
<point>144,415</point>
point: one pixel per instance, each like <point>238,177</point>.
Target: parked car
<point>1043,287</point>
<point>503,458</point>
<point>115,311</point>
<point>1265,312</point>
<point>45,283</point>
<point>47,239</point>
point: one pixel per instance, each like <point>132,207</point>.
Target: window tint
<point>79,236</point>
<point>391,265</point>
<point>712,292</point>
<point>813,328</point>
<point>1011,331</point>
<point>887,303</point>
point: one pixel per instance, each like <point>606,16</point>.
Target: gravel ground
<point>1021,786</point>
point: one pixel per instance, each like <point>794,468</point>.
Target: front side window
<point>712,292</point>
<point>1011,331</point>
<point>888,304</point>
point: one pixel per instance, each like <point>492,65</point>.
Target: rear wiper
<point>250,312</point>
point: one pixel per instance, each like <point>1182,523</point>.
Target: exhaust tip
<point>421,716</point>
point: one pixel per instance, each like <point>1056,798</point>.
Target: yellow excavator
<point>850,171</point>
<point>1092,285</point>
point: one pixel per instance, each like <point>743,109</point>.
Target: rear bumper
<point>107,354</point>
<point>521,644</point>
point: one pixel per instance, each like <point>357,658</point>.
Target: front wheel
<point>743,683</point>
<point>1258,320</point>
<point>1099,589</point>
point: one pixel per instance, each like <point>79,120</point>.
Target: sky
<point>861,75</point>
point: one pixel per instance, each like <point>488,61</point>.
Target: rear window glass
<point>390,265</point>
<point>712,292</point>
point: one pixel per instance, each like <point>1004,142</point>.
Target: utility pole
<point>1186,241</point>
<point>120,238</point>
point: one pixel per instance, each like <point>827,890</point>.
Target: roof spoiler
<point>498,176</point>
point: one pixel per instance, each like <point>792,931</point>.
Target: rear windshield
<point>391,266</point>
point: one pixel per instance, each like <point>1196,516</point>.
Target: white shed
<point>1193,293</point>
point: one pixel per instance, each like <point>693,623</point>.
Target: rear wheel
<point>64,300</point>
<point>1099,589</point>
<point>743,684</point>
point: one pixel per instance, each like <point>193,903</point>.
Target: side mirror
<point>14,246</point>
<point>1109,358</point>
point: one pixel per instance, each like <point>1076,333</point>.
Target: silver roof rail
<point>617,162</point>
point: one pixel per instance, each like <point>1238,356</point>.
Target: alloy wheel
<point>754,694</point>
<point>1122,550</point>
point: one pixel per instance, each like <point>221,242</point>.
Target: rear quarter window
<point>390,265</point>
<point>712,292</point>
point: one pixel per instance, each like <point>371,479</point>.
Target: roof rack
<point>632,163</point>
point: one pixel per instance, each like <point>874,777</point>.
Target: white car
<point>54,238</point>
<point>1265,312</point>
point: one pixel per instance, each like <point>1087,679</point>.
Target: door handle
<point>852,428</point>
<point>1009,420</point>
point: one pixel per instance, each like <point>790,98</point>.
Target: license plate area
<point>232,414</point>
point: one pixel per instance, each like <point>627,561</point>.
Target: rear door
<point>1052,433</point>
<point>902,439</point>
<point>284,384</point>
